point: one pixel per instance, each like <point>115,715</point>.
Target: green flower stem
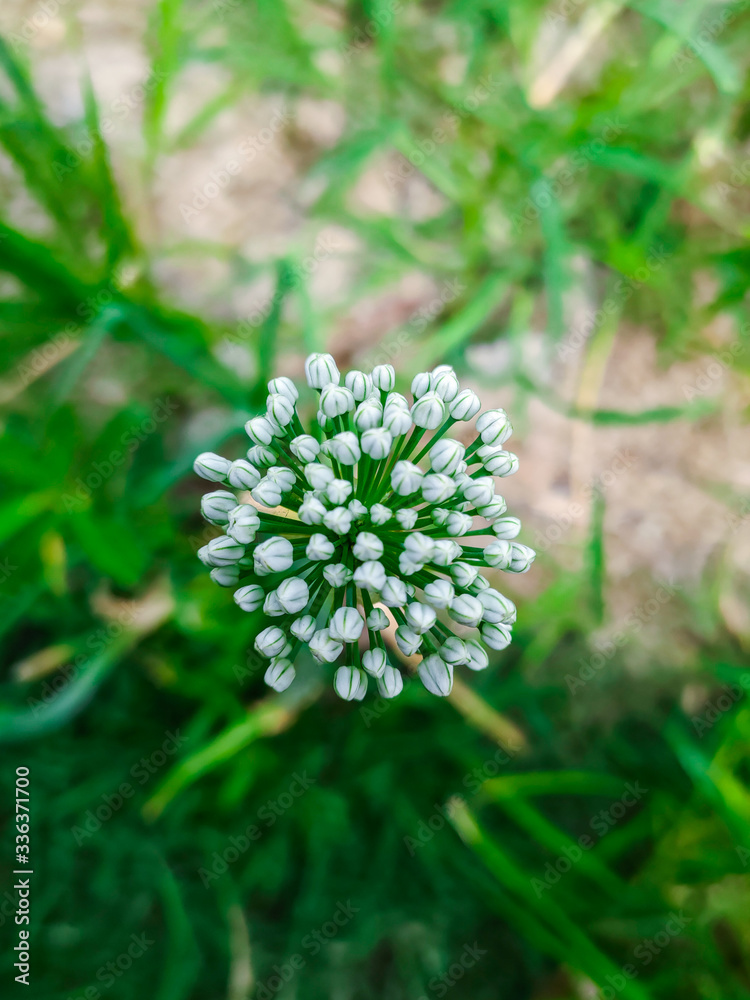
<point>434,439</point>
<point>470,449</point>
<point>364,469</point>
<point>388,464</point>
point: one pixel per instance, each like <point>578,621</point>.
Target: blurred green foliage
<point>375,852</point>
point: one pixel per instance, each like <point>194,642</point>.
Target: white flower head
<point>381,486</point>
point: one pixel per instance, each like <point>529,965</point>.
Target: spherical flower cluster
<point>376,513</point>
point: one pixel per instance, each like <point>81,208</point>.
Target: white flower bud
<point>350,683</point>
<point>285,386</point>
<point>494,426</point>
<point>406,478</point>
<point>419,547</point>
<point>436,675</point>
<point>465,405</point>
<point>408,641</point>
<point>454,651</point>
<point>215,506</point>
<point>458,523</point>
<point>498,554</point>
<point>439,593</point>
<point>357,509</point>
<point>478,659</point>
<point>497,607</point>
<point>377,620</point>
<point>407,517</point>
<point>479,491</point>
<point>282,477</point>
<point>273,556</point>
<point>260,430</point>
<point>303,628</point>
<point>479,584</point>
<point>380,514</point>
<point>280,408</point>
<point>377,443</point>
<point>259,455</point>
<point>502,464</point>
<point>270,641</point>
<point>446,385</point>
<point>305,448</point>
<point>374,661</point>
<point>494,509</point>
<point>396,420</point>
<point>242,475</point>
<point>521,558</point>
<point>271,605</point>
<point>293,595</point>
<point>225,576</point>
<point>446,456</point>
<point>437,488</point>
<point>368,414</point>
<point>367,546</point>
<point>323,647</point>
<point>249,598</point>
<point>393,592</point>
<point>466,610</point>
<point>420,617</point>
<point>395,401</point>
<point>463,574</point>
<point>224,551</point>
<point>338,491</point>
<point>446,551</point>
<point>440,515</point>
<point>370,575</point>
<point>496,636</point>
<point>391,684</point>
<point>429,411</point>
<point>320,548</point>
<point>212,467</point>
<point>311,511</point>
<point>408,566</point>
<point>384,377</point>
<point>280,674</point>
<point>324,422</point>
<point>244,522</point>
<point>359,384</point>
<point>321,370</point>
<point>267,493</point>
<point>318,475</point>
<point>339,520</point>
<point>337,574</point>
<point>345,448</point>
<point>346,625</point>
<point>335,400</point>
<point>420,384</point>
<point>507,527</point>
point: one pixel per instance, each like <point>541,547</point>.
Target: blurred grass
<point>440,824</point>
